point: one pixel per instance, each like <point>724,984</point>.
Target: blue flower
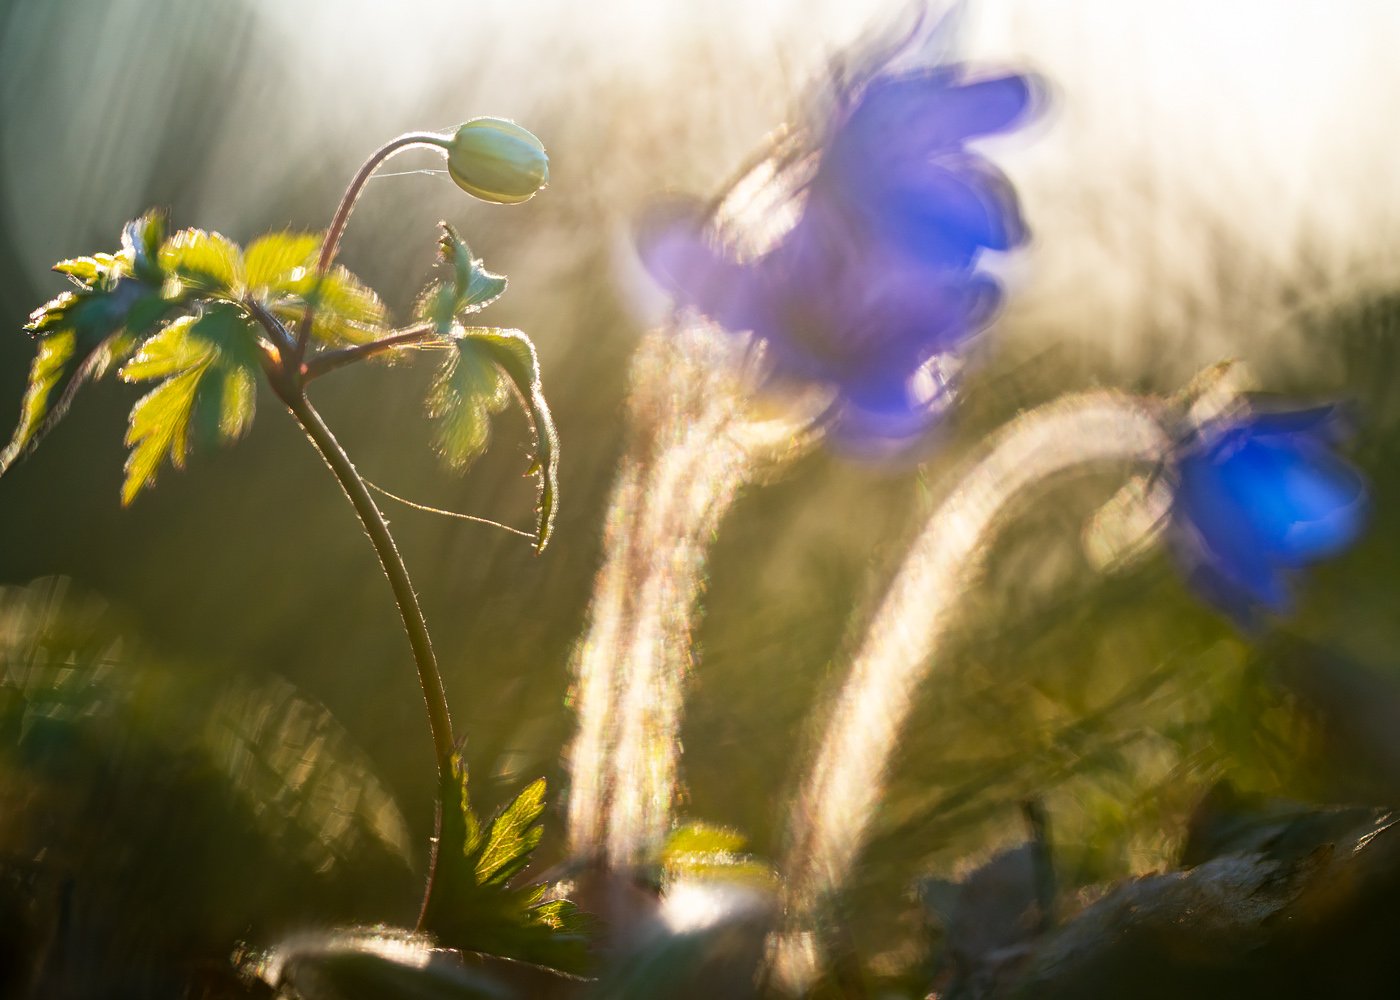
<point>879,276</point>
<point>1258,497</point>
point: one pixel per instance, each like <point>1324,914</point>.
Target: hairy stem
<point>439,720</point>
<point>289,383</point>
<point>329,361</point>
<point>331,244</point>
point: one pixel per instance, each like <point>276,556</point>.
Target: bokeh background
<point>1211,181</point>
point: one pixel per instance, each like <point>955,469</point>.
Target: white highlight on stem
<point>696,442</point>
<point>833,813</point>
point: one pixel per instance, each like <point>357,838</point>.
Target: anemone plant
<point>203,321</point>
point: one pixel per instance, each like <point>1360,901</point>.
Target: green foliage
<point>183,311</point>
<point>208,370</point>
<point>474,905</point>
<point>277,271</point>
<point>470,289</point>
<point>119,298</point>
<point>704,851</point>
<point>178,810</point>
<point>347,311</point>
<point>204,262</point>
<point>179,310</point>
<point>464,394</point>
<point>486,364</point>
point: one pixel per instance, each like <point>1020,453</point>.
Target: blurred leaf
<point>382,964</point>
<point>466,391</point>
<point>82,332</point>
<point>347,311</point>
<point>86,271</point>
<point>513,353</point>
<point>472,904</point>
<point>712,945</point>
<point>209,367</point>
<point>704,851</point>
<point>310,789</point>
<point>172,812</point>
<point>278,260</point>
<point>141,243</point>
<point>203,261</point>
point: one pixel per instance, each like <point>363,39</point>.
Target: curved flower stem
<point>331,244</point>
<point>833,813</point>
<point>289,383</point>
<point>450,829</point>
<point>357,491</point>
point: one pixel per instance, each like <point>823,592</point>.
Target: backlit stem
<point>331,244</point>
<point>839,798</point>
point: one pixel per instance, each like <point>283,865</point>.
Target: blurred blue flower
<point>1260,496</point>
<point>879,276</point>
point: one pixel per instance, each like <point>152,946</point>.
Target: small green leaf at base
<point>472,904</point>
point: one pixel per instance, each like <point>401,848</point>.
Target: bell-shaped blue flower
<point>1259,497</point>
<point>879,276</point>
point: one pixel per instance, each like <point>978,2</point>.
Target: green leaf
<point>514,354</point>
<point>472,904</point>
<point>277,261</point>
<point>513,835</point>
<point>209,365</point>
<point>474,287</point>
<point>81,333</point>
<point>704,851</point>
<point>87,271</point>
<point>52,385</point>
<point>159,426</point>
<point>347,311</point>
<point>204,262</point>
<point>470,289</point>
<point>141,243</point>
<point>467,390</point>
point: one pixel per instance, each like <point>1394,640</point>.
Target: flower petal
<point>683,260</point>
<point>1303,502</point>
<point>923,113</point>
<point>945,212</point>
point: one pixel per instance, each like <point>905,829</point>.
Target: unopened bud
<point>496,160</point>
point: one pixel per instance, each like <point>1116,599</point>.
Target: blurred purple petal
<point>944,212</point>
<point>681,258</point>
<point>924,113</point>
<point>879,274</point>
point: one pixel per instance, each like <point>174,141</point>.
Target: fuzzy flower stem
<point>331,244</point>
<point>838,799</point>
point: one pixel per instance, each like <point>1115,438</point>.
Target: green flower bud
<point>496,160</point>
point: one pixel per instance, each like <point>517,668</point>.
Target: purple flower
<point>879,276</point>
<point>1258,497</point>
